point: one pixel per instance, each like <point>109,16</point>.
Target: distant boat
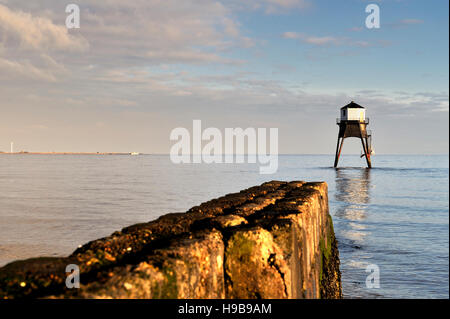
<point>134,153</point>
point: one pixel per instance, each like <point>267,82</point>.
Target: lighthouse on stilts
<point>353,123</point>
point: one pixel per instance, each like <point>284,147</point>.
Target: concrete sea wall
<point>275,240</point>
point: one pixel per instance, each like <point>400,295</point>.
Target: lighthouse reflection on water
<point>352,197</point>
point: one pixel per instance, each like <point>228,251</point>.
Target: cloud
<point>399,24</point>
<point>18,28</point>
<point>167,31</point>
<point>189,56</point>
<point>356,29</point>
<point>411,21</point>
<point>36,45</point>
<point>312,39</point>
<point>324,40</point>
<point>269,6</point>
<point>406,104</point>
<point>28,44</point>
<point>291,35</point>
<point>287,3</point>
<point>276,6</point>
<point>10,70</point>
<point>405,23</point>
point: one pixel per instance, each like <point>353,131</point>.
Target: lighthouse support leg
<point>369,145</point>
<point>338,151</point>
<point>366,153</point>
<point>369,149</point>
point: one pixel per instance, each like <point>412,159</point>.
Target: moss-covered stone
<point>254,265</point>
<point>270,241</point>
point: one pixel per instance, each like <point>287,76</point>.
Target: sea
<point>391,221</point>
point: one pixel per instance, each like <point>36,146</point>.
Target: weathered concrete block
<point>291,241</point>
<point>254,265</point>
<point>270,241</point>
<point>190,267</point>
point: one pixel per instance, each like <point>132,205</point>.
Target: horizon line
<point>168,154</point>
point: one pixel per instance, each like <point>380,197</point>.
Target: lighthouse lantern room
<point>353,112</point>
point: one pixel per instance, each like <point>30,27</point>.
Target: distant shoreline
<point>69,153</point>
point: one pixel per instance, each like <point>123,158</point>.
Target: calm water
<point>395,215</point>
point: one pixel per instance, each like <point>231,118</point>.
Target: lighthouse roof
<point>352,105</point>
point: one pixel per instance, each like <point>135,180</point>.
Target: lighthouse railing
<point>339,121</point>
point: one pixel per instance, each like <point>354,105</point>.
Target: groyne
<point>275,240</point>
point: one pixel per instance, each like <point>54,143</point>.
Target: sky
<point>137,69</point>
